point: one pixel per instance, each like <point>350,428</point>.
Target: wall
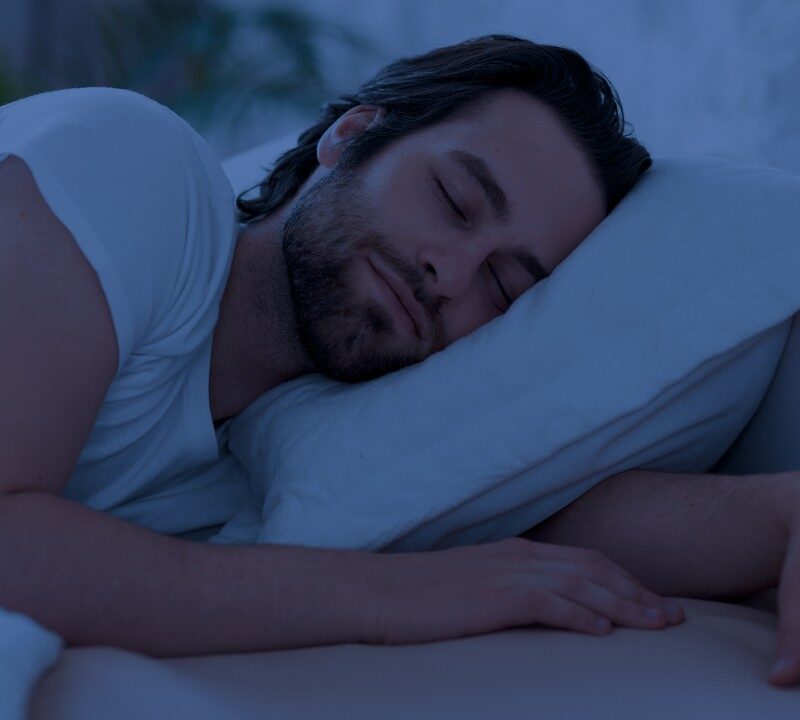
<point>695,76</point>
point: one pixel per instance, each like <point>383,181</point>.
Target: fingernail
<point>782,665</point>
<point>654,613</point>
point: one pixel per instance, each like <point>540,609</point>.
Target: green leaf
<point>203,60</point>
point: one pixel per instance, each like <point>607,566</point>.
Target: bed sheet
<point>713,666</point>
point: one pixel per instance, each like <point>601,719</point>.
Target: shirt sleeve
<point>130,180</point>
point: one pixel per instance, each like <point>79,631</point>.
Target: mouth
<point>403,297</point>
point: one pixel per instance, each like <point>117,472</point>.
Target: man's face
<point>435,235</point>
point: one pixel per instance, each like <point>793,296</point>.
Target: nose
<point>449,271</point>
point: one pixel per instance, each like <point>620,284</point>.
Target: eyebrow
<point>481,173</point>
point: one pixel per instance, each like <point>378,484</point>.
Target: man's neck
<point>255,345</point>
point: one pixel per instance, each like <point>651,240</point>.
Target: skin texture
<point>303,295</point>
<point>722,537</point>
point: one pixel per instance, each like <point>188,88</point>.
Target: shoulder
<point>110,125</point>
<point>140,191</point>
<point>88,103</point>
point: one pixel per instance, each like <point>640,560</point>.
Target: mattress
<point>712,666</point>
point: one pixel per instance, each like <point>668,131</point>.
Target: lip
<point>404,295</point>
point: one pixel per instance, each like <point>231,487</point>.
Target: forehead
<point>554,199</point>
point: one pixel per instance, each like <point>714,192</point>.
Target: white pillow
<point>251,166</point>
<point>650,346</point>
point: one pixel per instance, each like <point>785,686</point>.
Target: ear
<point>334,141</point>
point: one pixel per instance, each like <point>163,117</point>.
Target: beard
<point>347,335</point>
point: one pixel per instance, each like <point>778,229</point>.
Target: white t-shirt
<point>153,212</point>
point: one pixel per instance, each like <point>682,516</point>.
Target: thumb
<point>786,669</point>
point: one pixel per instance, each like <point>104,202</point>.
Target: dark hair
<point>425,89</point>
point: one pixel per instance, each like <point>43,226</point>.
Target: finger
<point>607,564</point>
<point>786,669</point>
<point>610,574</point>
<point>628,587</point>
<point>619,582</point>
<point>617,608</point>
<point>544,607</point>
<point>549,551</point>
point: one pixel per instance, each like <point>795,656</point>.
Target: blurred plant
<point>207,62</point>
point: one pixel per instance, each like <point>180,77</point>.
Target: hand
<point>515,582</point>
<point>786,669</point>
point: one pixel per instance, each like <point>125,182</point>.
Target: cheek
<point>398,193</point>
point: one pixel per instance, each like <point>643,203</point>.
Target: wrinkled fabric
<point>651,346</point>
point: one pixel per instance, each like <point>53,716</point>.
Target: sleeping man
<point>138,316</point>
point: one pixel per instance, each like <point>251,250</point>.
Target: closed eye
<point>499,284</point>
<point>446,197</point>
<point>457,210</point>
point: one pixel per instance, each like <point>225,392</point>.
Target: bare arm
<point>720,536</point>
<point>95,579</point>
<point>713,536</point>
<point>90,577</point>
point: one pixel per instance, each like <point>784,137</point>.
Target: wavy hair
<point>422,90</point>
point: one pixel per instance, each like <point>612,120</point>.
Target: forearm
<point>95,579</point>
<point>719,536</point>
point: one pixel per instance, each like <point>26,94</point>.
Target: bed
<point>712,666</point>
